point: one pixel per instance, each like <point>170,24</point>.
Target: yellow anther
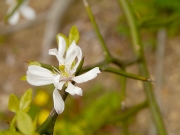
<point>61,67</point>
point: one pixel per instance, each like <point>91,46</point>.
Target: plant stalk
<point>138,50</point>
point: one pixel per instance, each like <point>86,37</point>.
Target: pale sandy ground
<point>27,45</point>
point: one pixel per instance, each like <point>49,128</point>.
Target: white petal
<point>71,89</point>
<point>38,76</point>
<point>53,52</point>
<point>58,84</point>
<point>39,71</point>
<point>61,46</point>
<point>58,102</point>
<point>71,54</point>
<point>79,57</point>
<point>14,18</point>
<point>87,76</point>
<point>28,12</point>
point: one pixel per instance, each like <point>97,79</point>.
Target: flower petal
<point>71,54</point>
<point>14,18</point>
<point>58,84</point>
<point>87,76</point>
<point>58,102</point>
<point>28,12</point>
<point>61,46</point>
<point>79,57</point>
<point>53,52</point>
<point>71,89</point>
<point>38,76</point>
<point>61,49</point>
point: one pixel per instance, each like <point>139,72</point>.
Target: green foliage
<point>24,123</point>
<point>153,15</point>
<point>9,132</point>
<point>13,103</point>
<point>74,35</point>
<point>26,100</point>
<point>21,121</point>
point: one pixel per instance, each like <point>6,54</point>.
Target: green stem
<point>128,113</point>
<point>123,90</point>
<point>12,12</point>
<point>125,129</point>
<point>123,73</point>
<point>92,19</point>
<point>138,49</point>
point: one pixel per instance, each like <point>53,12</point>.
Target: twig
<point>96,29</point>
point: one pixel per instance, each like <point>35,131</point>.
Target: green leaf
<point>66,39</point>
<point>23,78</point>
<point>13,104</point>
<point>12,124</point>
<point>74,35</point>
<point>24,123</point>
<point>26,99</point>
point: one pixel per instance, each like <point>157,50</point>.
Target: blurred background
<point>90,114</point>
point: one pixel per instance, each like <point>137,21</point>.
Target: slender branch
<point>125,129</point>
<point>138,50</point>
<point>123,73</point>
<point>93,21</point>
<point>128,113</point>
<point>123,90</point>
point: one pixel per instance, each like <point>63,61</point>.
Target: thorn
<point>149,80</point>
<point>122,105</point>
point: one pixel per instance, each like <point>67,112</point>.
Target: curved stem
<point>130,112</point>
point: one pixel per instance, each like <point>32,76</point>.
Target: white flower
<point>38,76</point>
<point>26,11</point>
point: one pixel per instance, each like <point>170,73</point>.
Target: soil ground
<point>26,44</point>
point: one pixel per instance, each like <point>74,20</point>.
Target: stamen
<point>57,71</point>
<point>62,67</point>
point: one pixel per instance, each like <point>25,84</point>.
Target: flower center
<point>64,72</point>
